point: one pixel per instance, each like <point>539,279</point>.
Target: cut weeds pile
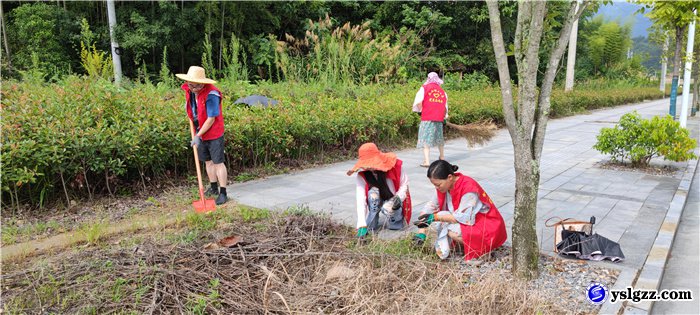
<point>294,262</point>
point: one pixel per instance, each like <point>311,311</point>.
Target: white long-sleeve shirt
<point>418,102</point>
<point>362,198</point>
<point>469,206</point>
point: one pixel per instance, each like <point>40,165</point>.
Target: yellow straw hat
<point>195,74</point>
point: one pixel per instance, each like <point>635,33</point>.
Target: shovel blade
<point>204,205</point>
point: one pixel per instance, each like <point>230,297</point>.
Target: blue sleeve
<point>213,105</point>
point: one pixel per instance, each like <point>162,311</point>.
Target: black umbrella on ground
<point>257,100</point>
<point>589,247</point>
<point>570,244</point>
<point>596,247</point>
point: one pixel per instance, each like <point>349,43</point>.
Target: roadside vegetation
<point>70,133</point>
<point>639,140</point>
<point>103,169</point>
<point>80,138</point>
<point>279,262</point>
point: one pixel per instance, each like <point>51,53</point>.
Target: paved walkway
<point>683,266</point>
<point>629,206</point>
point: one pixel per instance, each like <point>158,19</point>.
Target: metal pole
<point>571,56</point>
<point>664,65</point>
<point>116,60</point>
<point>686,73</point>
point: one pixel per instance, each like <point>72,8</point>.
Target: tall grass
<point>235,67</point>
<point>347,54</point>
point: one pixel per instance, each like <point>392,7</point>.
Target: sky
<point>623,12</point>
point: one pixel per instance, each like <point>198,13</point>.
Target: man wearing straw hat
<point>382,186</point>
<point>203,102</point>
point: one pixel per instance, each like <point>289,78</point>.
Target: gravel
<point>563,281</point>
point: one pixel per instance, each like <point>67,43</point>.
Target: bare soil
<point>652,169</point>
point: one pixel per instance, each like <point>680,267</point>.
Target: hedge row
<point>81,137</point>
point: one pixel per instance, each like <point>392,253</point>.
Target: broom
<point>476,133</point>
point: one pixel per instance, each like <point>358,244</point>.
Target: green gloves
<point>419,239</point>
<point>424,220</point>
<point>362,232</point>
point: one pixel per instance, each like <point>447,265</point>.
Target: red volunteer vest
<point>434,103</point>
<point>395,175</point>
<point>489,229</point>
<point>217,129</point>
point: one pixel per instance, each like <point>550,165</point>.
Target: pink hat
<point>433,78</point>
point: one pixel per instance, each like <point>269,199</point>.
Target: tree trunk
<point>4,37</point>
<point>524,237</point>
<point>676,69</point>
<point>679,50</point>
<point>664,65</point>
<point>221,41</point>
<point>116,58</point>
<point>527,126</point>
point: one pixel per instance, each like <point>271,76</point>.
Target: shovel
<point>202,205</point>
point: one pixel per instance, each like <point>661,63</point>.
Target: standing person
<point>464,214</point>
<point>431,103</point>
<point>203,102</point>
<point>381,186</point>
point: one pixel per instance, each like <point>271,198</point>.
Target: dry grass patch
<point>298,264</point>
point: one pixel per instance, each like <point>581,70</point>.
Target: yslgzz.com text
<point>636,296</point>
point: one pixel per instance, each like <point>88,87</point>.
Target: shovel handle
<point>196,163</point>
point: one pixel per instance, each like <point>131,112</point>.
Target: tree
<point>608,45</point>
<point>672,15</point>
<point>3,30</point>
<point>527,117</point>
<point>116,60</point>
<point>42,30</point>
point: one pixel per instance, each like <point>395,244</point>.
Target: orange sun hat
<point>372,158</point>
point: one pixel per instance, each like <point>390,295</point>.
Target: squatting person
<point>381,187</point>
<point>463,212</point>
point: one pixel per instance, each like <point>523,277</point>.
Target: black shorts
<point>212,150</point>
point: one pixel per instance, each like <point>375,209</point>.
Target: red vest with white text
<point>217,129</point>
<point>434,103</point>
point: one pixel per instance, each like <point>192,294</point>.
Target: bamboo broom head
<point>476,133</point>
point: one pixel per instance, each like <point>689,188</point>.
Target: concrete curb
<point>624,279</point>
<point>653,270</point>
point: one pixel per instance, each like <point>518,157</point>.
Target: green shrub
<point>469,81</point>
<point>639,140</point>
<point>81,137</point>
<point>96,63</point>
<point>86,136</point>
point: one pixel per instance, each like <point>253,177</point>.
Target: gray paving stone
<point>582,199</point>
<point>559,195</point>
<point>629,206</point>
<point>634,310</point>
